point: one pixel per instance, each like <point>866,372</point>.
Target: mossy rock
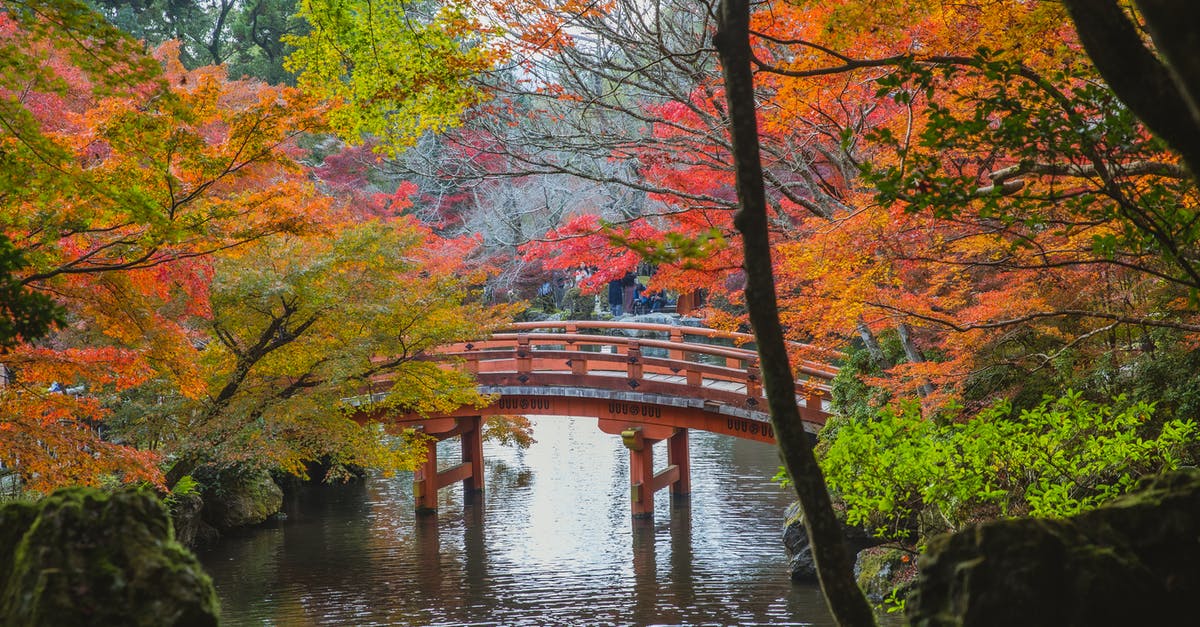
<point>241,499</point>
<point>15,520</point>
<point>91,558</point>
<point>801,566</point>
<point>1132,562</point>
<point>884,572</point>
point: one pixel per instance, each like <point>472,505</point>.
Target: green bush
<point>1064,456</point>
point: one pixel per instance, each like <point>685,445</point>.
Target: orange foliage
<point>129,194</point>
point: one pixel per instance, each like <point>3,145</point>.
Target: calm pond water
<point>550,542</point>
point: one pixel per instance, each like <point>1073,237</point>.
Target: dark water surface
<point>549,543</point>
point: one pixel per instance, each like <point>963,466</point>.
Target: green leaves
<point>992,140</point>
<point>688,251</point>
<point>24,315</point>
<point>1064,456</point>
<point>390,72</point>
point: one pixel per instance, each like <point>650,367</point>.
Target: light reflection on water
<point>549,543</point>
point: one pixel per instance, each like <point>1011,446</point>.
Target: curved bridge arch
<point>646,382</point>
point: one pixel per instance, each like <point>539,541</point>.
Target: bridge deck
<point>672,367</point>
<point>648,383</point>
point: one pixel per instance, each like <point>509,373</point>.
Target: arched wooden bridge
<point>645,382</point>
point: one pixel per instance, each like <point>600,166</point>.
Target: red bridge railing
<point>692,362</point>
<point>648,383</point>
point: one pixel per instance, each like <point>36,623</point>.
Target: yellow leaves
<point>301,322</point>
<point>389,71</point>
<point>509,431</point>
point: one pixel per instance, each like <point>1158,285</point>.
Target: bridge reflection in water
<point>549,543</point>
<point>648,383</point>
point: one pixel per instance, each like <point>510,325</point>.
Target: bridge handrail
<point>530,358</point>
<point>815,368</point>
<point>751,357</point>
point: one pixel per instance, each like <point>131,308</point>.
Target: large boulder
<point>190,528</point>
<point>240,499</point>
<point>1133,562</point>
<point>799,550</point>
<point>84,557</point>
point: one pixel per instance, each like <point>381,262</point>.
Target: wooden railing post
<point>677,338</point>
<point>634,359</point>
<point>753,380</point>
<point>813,404</point>
<point>524,355</point>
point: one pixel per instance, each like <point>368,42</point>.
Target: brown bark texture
<point>833,561</point>
<point>1161,87</point>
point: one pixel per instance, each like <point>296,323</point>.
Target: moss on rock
<point>15,520</point>
<point>91,558</point>
<point>884,572</point>
<point>1130,563</point>
<point>240,499</point>
<point>795,540</point>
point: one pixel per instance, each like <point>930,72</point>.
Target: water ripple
<point>550,544</point>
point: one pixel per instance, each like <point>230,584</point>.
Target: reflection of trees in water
<point>500,475</point>
<point>467,564</point>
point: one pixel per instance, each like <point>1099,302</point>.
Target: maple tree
<point>389,70</point>
<point>121,178</point>
<point>1014,218</point>
<point>145,202</point>
<point>300,323</point>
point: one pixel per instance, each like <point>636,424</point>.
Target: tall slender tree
<point>833,562</point>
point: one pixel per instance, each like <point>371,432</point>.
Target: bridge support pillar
<point>472,453</point>
<point>677,455</point>
<point>427,480</point>
<point>643,481</point>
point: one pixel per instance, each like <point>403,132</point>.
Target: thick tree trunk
<point>833,561</point>
<point>1163,97</point>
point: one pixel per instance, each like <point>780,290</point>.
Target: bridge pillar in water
<point>427,480</point>
<point>643,481</point>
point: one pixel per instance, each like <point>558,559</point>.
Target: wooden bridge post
<point>678,456</point>
<point>472,453</point>
<point>427,480</point>
<point>641,473</point>
<point>425,487</point>
<point>644,482</point>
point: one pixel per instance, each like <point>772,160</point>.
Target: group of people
<point>628,295</point>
